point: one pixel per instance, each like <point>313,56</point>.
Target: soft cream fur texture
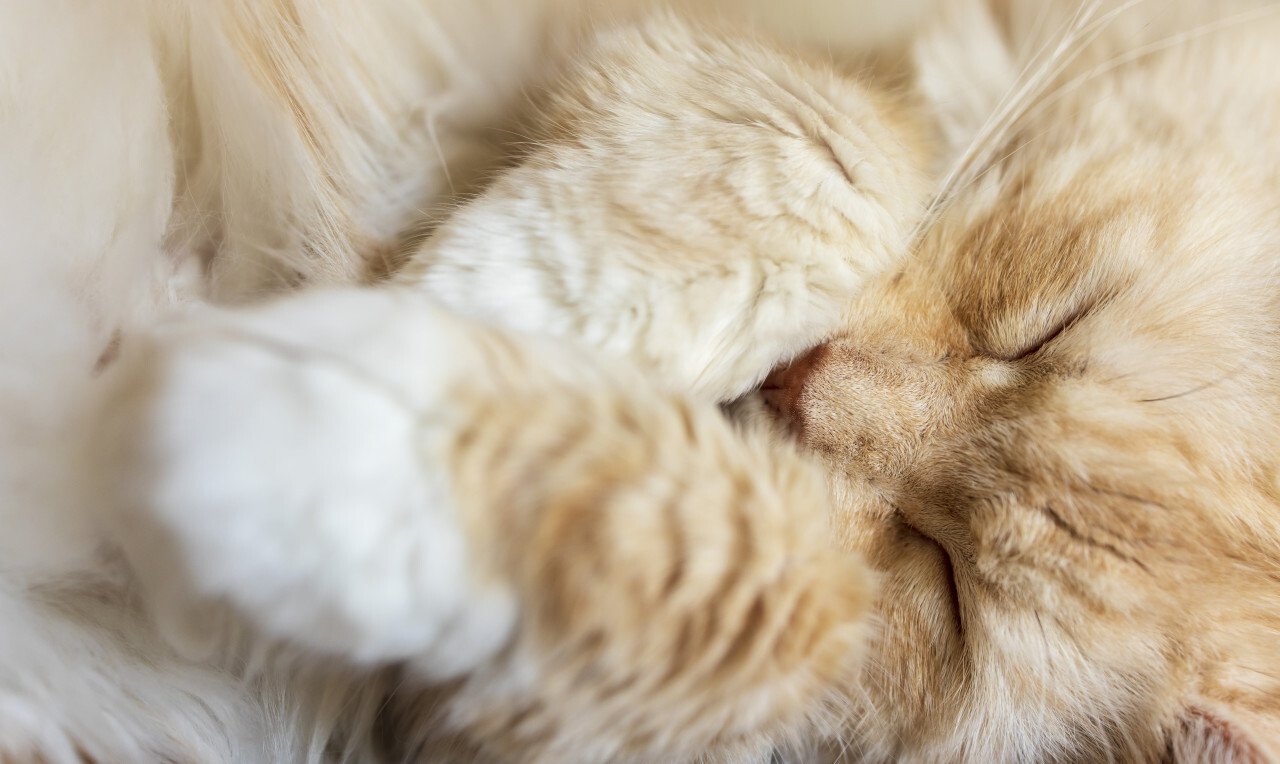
<point>556,380</point>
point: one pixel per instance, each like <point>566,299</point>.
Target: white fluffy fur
<point>283,460</point>
<point>101,227</point>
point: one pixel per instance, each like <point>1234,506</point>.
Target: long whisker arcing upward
<point>1027,97</point>
<point>1154,47</point>
<point>1042,68</point>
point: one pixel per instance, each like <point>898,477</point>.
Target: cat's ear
<point>1215,734</point>
<point>965,67</point>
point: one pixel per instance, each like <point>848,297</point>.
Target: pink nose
<point>785,386</point>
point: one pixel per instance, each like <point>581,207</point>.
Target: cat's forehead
<point>1145,247</point>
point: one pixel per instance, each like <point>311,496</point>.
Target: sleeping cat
<point>996,328</point>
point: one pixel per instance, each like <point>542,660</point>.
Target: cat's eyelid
<point>1054,332</point>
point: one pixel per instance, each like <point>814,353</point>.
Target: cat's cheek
<point>282,469</point>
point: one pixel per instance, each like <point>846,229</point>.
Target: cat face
<point>1048,423</point>
<point>1052,434</point>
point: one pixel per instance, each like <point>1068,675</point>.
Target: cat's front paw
<point>703,206</point>
<point>285,461</point>
<point>679,589</point>
<point>603,568</point>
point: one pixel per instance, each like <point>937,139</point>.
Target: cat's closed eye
<point>1039,341</point>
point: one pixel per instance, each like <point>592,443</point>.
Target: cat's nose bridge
<point>784,387</point>
<point>875,407</point>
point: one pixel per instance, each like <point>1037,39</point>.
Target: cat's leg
<point>602,569</point>
<point>692,200</point>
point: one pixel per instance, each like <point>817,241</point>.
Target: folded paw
<point>706,208</point>
<point>599,565</point>
<point>680,593</point>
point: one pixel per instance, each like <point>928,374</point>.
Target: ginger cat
<point>713,394</point>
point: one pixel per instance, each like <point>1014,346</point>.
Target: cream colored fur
<point>1011,493</point>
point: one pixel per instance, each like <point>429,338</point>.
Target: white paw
<point>285,460</point>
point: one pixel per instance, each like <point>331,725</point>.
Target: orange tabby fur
<point>1053,433</point>
<point>1022,295</point>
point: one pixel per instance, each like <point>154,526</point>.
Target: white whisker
<point>1153,47</point>
<point>1080,31</point>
